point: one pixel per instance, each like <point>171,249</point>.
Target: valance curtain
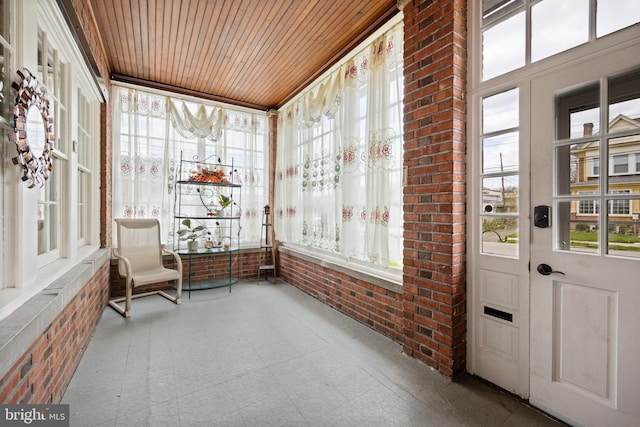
<point>150,134</point>
<point>339,158</point>
<point>198,125</point>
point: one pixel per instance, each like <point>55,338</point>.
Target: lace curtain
<point>150,134</point>
<point>339,158</point>
<point>141,166</point>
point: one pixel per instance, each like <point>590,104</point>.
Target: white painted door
<point>585,315</point>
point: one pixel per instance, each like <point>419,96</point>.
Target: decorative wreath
<point>32,93</point>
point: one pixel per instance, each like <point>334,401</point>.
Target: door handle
<point>545,270</point>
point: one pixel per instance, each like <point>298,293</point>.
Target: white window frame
<point>516,8</point>
<point>610,206</point>
<point>24,273</point>
<point>594,204</point>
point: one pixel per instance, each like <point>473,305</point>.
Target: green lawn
<point>586,236</point>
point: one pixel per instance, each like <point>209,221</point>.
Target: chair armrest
<point>176,257</point>
<point>123,260</point>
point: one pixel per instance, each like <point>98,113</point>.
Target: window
<point>588,206</point>
<point>620,206</point>
<point>84,147</point>
<point>339,166</point>
<point>620,163</point>
<point>52,72</point>
<point>555,26</point>
<point>147,147</point>
<point>47,237</point>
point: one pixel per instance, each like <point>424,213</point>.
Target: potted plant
<point>190,233</point>
<point>224,200</point>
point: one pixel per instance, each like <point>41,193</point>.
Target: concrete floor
<point>267,355</point>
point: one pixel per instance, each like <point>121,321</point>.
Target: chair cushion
<point>154,275</point>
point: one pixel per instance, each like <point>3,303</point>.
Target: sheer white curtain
<point>141,166</point>
<point>150,134</point>
<point>339,161</point>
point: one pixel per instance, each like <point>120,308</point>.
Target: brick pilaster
<point>434,291</point>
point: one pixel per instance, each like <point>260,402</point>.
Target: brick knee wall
<point>376,307</point>
<point>43,372</point>
<point>244,266</point>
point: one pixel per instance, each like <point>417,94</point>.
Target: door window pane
<point>500,173</point>
<point>501,193</point>
<point>577,225</point>
<point>623,228</point>
<point>577,168</point>
<point>614,15</point>
<point>578,112</point>
<point>500,153</point>
<point>583,161</point>
<point>500,236</point>
<point>500,111</point>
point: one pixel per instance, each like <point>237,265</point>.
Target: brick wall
<point>428,315</point>
<point>375,306</point>
<point>434,197</point>
<point>244,266</point>
<point>42,373</point>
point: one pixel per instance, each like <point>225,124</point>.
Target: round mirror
<point>33,129</point>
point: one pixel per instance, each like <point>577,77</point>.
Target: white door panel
<point>585,318</point>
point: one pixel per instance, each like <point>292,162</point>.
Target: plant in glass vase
<point>191,232</point>
<point>224,202</point>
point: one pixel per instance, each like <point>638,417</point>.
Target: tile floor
<point>267,355</point>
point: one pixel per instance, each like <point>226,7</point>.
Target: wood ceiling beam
<point>183,91</point>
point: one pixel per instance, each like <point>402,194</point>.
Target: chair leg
<point>127,302</point>
<point>178,290</point>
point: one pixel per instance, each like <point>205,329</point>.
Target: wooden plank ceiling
<point>256,53</point>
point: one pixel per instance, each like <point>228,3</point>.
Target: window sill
<point>12,298</point>
<point>387,281</point>
<point>33,310</point>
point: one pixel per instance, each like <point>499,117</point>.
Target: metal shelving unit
<point>202,187</point>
